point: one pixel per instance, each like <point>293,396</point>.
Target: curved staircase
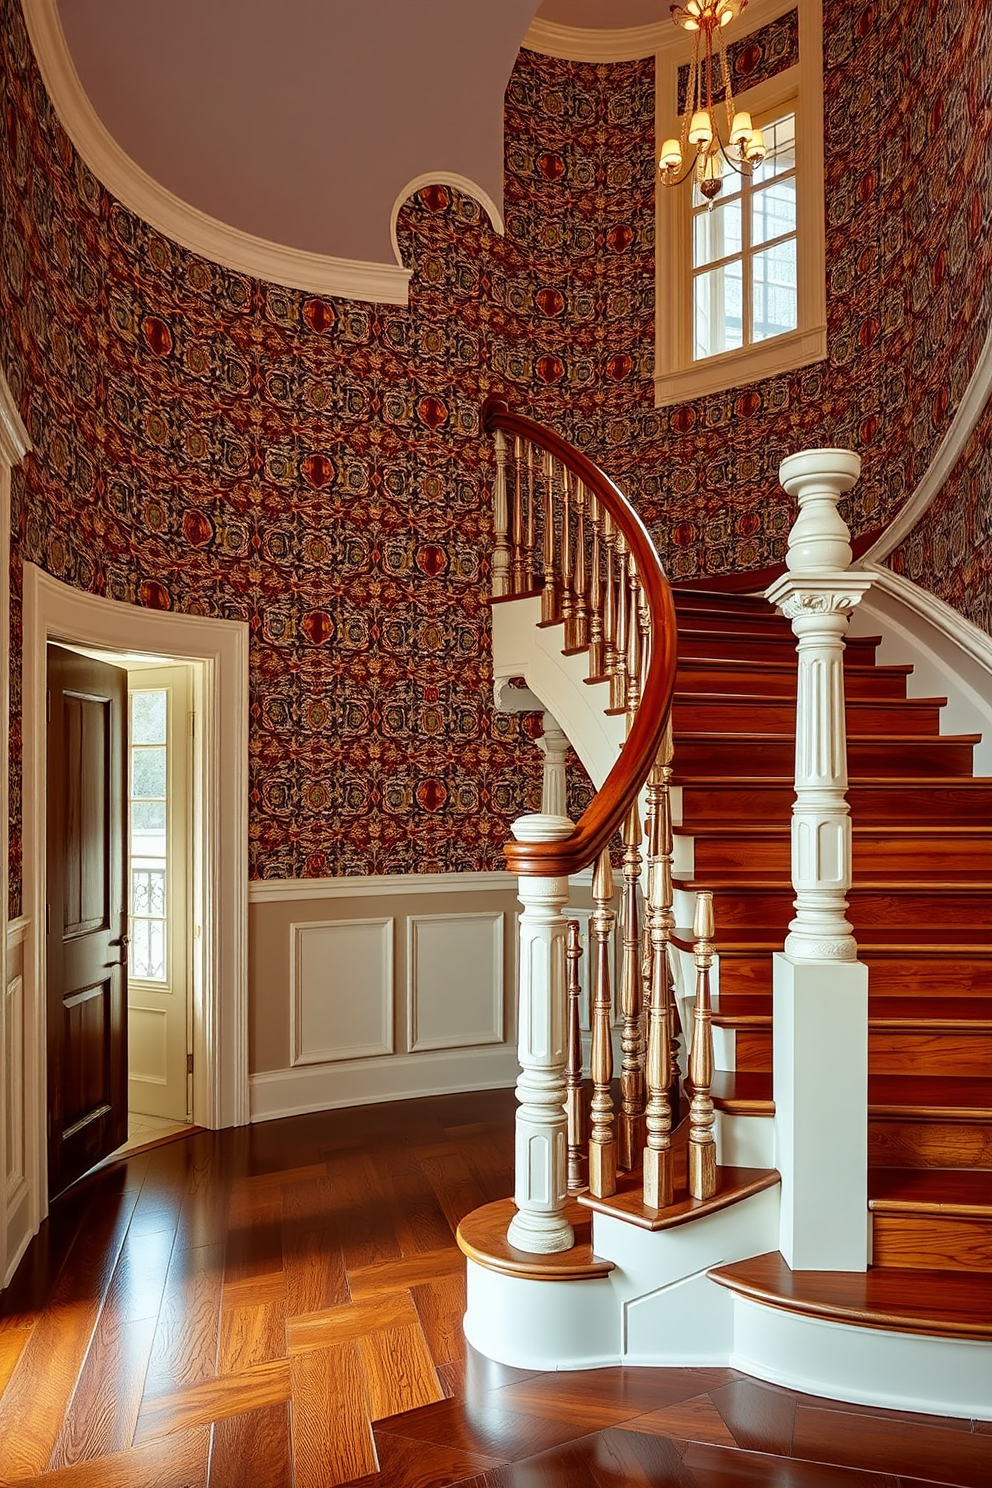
<point>699,1278</point>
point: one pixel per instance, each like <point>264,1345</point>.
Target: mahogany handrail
<point>609,807</point>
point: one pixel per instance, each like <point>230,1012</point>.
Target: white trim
<point>17,932</point>
<point>949,451</point>
<point>442,178</point>
<point>385,284</point>
<point>326,1087</point>
<point>957,629</point>
<point>15,442</point>
<point>631,43</point>
<point>374,886</point>
<point>54,610</point>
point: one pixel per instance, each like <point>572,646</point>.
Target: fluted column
<point>820,990</point>
<point>553,744</point>
<point>540,1188</point>
<point>818,595</point>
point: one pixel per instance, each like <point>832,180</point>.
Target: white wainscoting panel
<point>342,990</point>
<point>15,1164</point>
<point>454,980</point>
<point>146,1045</point>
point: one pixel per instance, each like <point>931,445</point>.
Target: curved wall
<point>226,447</point>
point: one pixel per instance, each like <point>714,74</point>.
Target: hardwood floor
<point>281,1305</point>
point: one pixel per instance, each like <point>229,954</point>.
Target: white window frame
<point>798,89</point>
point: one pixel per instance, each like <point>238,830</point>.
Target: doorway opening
<point>215,653</point>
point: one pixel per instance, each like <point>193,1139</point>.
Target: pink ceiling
<point>300,121</point>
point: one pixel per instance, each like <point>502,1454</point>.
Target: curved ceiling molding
<point>292,267</point>
<point>950,450</point>
<point>442,178</point>
<point>573,44</point>
<point>630,44</point>
<point>15,441</point>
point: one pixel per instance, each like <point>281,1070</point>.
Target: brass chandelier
<point>700,152</point>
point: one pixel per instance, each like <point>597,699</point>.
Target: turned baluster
<point>602,1139</point>
<point>501,547</point>
<point>702,1140</point>
<point>529,547</point>
<point>644,620</point>
<point>567,560</point>
<point>595,593</point>
<point>660,1067</point>
<point>631,1123</point>
<point>550,608</point>
<point>573,1069</point>
<point>580,623</point>
<point>618,681</point>
<point>633,645</point>
<point>517,519</point>
<point>609,603</point>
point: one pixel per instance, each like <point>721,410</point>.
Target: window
<point>744,251</point>
<point>741,286</point>
<point>149,807</point>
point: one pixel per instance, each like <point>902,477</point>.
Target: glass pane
<point>780,144</point>
<point>773,291</point>
<point>716,233</point>
<point>717,311</point>
<point>148,950</point>
<point>148,714</point>
<point>773,210</point>
<point>147,891</point>
<point>148,839</point>
<point>148,773</point>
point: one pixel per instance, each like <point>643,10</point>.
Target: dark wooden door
<point>87,914</point>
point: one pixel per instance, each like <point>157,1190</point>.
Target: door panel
<point>87,942</point>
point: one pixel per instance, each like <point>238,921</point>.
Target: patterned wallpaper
<point>225,447</point>
<point>949,552</point>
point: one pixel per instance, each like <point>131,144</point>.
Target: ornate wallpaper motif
<point>225,447</point>
<point>949,552</point>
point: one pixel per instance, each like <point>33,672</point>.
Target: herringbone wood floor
<point>282,1305</point>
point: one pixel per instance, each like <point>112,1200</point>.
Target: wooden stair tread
<point>770,831</point>
<point>956,1304</point>
<point>929,1096</point>
<point>914,1014</point>
<point>481,1236</point>
<point>750,940</point>
<point>743,1093</point>
<point>943,1191</point>
<point>733,1184</point>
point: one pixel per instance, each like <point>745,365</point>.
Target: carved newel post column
<point>541,1154</point>
<point>820,990</point>
<point>818,595</point>
<point>554,787</point>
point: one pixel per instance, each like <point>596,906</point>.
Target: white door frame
<point>57,612</point>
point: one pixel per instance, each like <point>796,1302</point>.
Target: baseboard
<point>361,1082</point>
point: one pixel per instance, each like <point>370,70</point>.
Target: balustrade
<point>564,532</point>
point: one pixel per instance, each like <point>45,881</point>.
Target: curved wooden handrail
<point>610,805</point>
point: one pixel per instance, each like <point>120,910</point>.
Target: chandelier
<point>700,152</point>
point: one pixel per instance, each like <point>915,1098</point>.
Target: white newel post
<point>540,1190</point>
<point>820,1023</point>
<point>554,786</point>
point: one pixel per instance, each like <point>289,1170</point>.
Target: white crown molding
<point>443,178</point>
<point>631,43</point>
<point>575,44</point>
<point>374,885</point>
<point>950,450</point>
<point>15,442</point>
<point>386,284</point>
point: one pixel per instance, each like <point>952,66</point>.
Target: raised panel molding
<point>454,980</point>
<point>342,990</point>
<point>15,1164</point>
<point>146,1039</point>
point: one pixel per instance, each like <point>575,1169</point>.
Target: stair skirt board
<point>865,1366</point>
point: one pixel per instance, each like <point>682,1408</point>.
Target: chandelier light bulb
<point>754,148</point>
<point>671,156</point>
<point>740,130</point>
<point>701,128</point>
